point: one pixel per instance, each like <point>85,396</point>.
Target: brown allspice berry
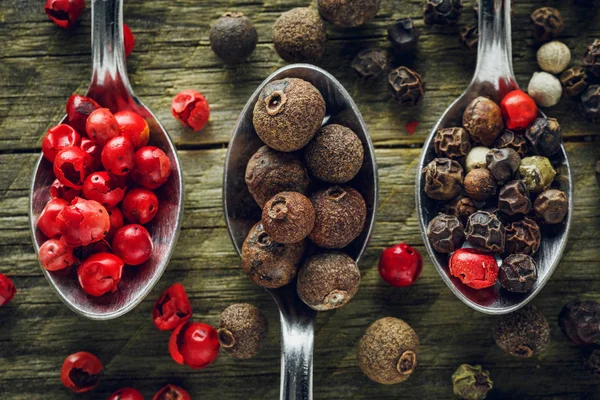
<point>590,103</point>
<point>452,143</point>
<point>483,120</point>
<point>522,237</point>
<point>288,114</point>
<point>503,163</point>
<point>512,140</point>
<point>551,206</point>
<point>270,172</point>
<point>335,155</point>
<point>341,213</point>
<point>387,352</point>
<point>544,136</point>
<point>348,13</point>
<point>591,58</point>
<point>461,207</point>
<point>523,333</point>
<point>513,198</point>
<point>267,263</point>
<point>469,37</point>
<point>406,85</point>
<point>242,330</point>
<point>484,231</point>
<point>443,179</point>
<point>518,273</point>
<point>445,233</point>
<point>579,321</point>
<point>547,23</point>
<point>370,63</point>
<point>574,81</point>
<point>288,217</point>
<point>328,280</point>
<point>404,35</point>
<point>479,184</point>
<point>442,12</point>
<point>299,35</point>
<point>233,38</point>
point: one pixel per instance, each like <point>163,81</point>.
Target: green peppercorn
<point>471,382</point>
<point>537,173</point>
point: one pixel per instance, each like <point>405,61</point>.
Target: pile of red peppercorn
<point>103,197</point>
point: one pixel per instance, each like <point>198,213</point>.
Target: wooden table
<point>42,65</point>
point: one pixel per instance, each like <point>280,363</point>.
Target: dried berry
<point>270,172</point>
<point>545,89</point>
<point>172,392</point>
<point>537,173</point>
<point>484,231</point>
<point>288,217</point>
<point>523,333</point>
<point>400,265</point>
<point>479,184</point>
<point>172,308</point>
<point>348,13</point>
<point>403,35</point>
<point>523,237</point>
<point>242,330</point>
<point>128,40</point>
<point>80,372</point>
<point>590,103</point>
<point>574,81</point>
<point>233,37</point>
<point>461,207</point>
<point>592,362</point>
<point>476,158</point>
<point>406,85</point>
<point>288,113</point>
<point>7,290</point>
<point>191,109</point>
<point>442,12</point>
<point>64,13</point>
<point>267,263</point>
<point>579,321</point>
<point>514,198</point>
<point>335,155</point>
<point>328,280</point>
<point>518,273</point>
<point>54,255</point>
<point>551,206</point>
<point>469,37</point>
<point>503,163</point>
<point>299,35</point>
<point>547,23</point>
<point>471,382</point>
<point>443,179</point>
<point>194,344</point>
<point>483,120</point>
<point>476,269</point>
<point>554,57</point>
<point>452,143</point>
<point>511,140</point>
<point>126,394</point>
<point>445,233</point>
<point>370,63</point>
<point>545,136</point>
<point>591,58</point>
<point>340,217</point>
<point>518,110</point>
<point>387,352</point>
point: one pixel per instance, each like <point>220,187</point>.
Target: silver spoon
<point>110,87</point>
<point>241,213</point>
<point>493,78</point>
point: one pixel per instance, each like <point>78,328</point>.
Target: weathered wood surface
<point>41,66</point>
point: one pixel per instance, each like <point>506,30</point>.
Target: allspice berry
<point>512,140</point>
<point>579,321</point>
<point>370,63</point>
<point>341,213</point>
<point>514,198</point>
<point>485,232</point>
<point>483,120</point>
<point>299,35</point>
<point>518,273</point>
<point>387,352</point>
<point>242,330</point>
<point>406,85</point>
<point>479,184</point>
<point>551,206</point>
<point>522,237</point>
<point>574,81</point>
<point>328,280</point>
<point>547,23</point>
<point>233,38</point>
<point>288,217</point>
<point>452,143</point>
<point>348,13</point>
<point>445,233</point>
<point>270,172</point>
<point>442,12</point>
<point>288,113</point>
<point>461,207</point>
<point>267,263</point>
<point>523,333</point>
<point>443,179</point>
<point>335,155</point>
<point>545,136</point>
<point>537,173</point>
<point>503,163</point>
<point>471,382</point>
<point>404,35</point>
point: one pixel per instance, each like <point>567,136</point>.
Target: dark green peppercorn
<point>471,382</point>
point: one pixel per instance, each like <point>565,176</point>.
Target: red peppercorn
<point>58,138</point>
<point>126,394</point>
<point>134,128</point>
<point>172,392</point>
<point>400,265</point>
<point>47,220</point>
<point>191,109</point>
<point>64,13</point>
<point>101,126</point>
<point>116,221</point>
<point>60,191</point>
<point>83,222</point>
<point>118,156</point>
<point>100,274</point>
<point>104,188</point>
<point>81,371</point>
<point>474,268</point>
<point>94,150</point>
<point>194,344</point>
<point>152,167</point>
<point>128,40</point>
<point>71,166</point>
<point>140,206</point>
<point>78,110</point>
<point>133,244</point>
<point>55,255</point>
<point>172,308</point>
<point>85,252</point>
<point>7,290</point>
<point>518,110</point>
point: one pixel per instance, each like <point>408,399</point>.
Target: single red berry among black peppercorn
<point>403,35</point>
<point>81,371</point>
<point>406,85</point>
<point>400,265</point>
<point>579,321</point>
<point>64,13</point>
<point>370,63</point>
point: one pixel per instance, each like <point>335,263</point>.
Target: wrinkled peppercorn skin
<point>544,136</point>
<point>551,206</point>
<point>461,207</point>
<point>403,35</point>
<point>442,12</point>
<point>483,120</point>
<point>452,143</point>
<point>406,85</point>
<point>513,198</point>
<point>512,140</point>
<point>443,179</point>
<point>485,232</point>
<point>523,237</point>
<point>233,38</point>
<point>547,23</point>
<point>590,103</point>
<point>445,233</point>
<point>591,58</point>
<point>370,63</point>
<point>579,321</point>
<point>503,163</point>
<point>574,81</point>
<point>518,273</point>
<point>523,333</point>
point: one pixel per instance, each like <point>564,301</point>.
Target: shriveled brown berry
<point>483,120</point>
<point>335,155</point>
<point>233,37</point>
<point>404,35</point>
<point>469,37</point>
<point>267,263</point>
<point>242,330</point>
<point>406,85</point>
<point>579,321</point>
<point>270,172</point>
<point>288,114</point>
<point>547,23</point>
<point>551,206</point>
<point>503,163</point>
<point>348,13</point>
<point>288,217</point>
<point>574,81</point>
<point>370,63</point>
<point>544,136</point>
<point>299,35</point>
<point>452,143</point>
<point>514,198</point>
<point>443,179</point>
<point>479,184</point>
<point>340,217</point>
<point>523,333</point>
<point>461,207</point>
<point>512,140</point>
<point>591,58</point>
<point>328,280</point>
<point>590,103</point>
<point>518,273</point>
<point>484,231</point>
<point>387,352</point>
<point>522,237</point>
<point>442,12</point>
<point>445,233</point>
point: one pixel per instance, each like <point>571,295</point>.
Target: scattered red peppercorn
<point>411,127</point>
<point>104,188</point>
<point>100,274</point>
<point>134,128</point>
<point>71,166</point>
<point>191,109</point>
<point>474,268</point>
<point>194,344</point>
<point>172,308</point>
<point>78,110</point>
<point>172,392</point>
<point>126,394</point>
<point>57,138</point>
<point>55,255</point>
<point>116,221</point>
<point>81,372</point>
<point>518,110</point>
<point>140,206</point>
<point>152,167</point>
<point>118,156</point>
<point>400,265</point>
<point>7,289</point>
<point>60,191</point>
<point>101,126</point>
<point>83,222</point>
<point>128,40</point>
<point>133,244</point>
<point>64,13</point>
<point>47,219</point>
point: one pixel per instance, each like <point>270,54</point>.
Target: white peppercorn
<point>476,158</point>
<point>554,57</point>
<point>545,89</point>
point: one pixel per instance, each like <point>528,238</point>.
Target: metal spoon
<point>493,78</point>
<point>110,87</point>
<point>241,213</point>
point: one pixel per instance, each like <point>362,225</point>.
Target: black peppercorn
<point>591,58</point>
<point>574,81</point>
<point>547,23</point>
<point>579,321</point>
<point>523,333</point>
<point>461,207</point>
<point>288,217</point>
<point>544,136</point>
<point>485,232</point>
<point>590,103</point>
<point>403,35</point>
<point>370,63</point>
<point>483,120</point>
<point>471,382</point>
<point>514,198</point>
<point>551,206</point>
<point>452,143</point>
<point>299,35</point>
<point>242,330</point>
<point>503,163</point>
<point>348,13</point>
<point>443,179</point>
<point>518,273</point>
<point>442,12</point>
<point>445,233</point>
<point>469,37</point>
<point>591,362</point>
<point>406,85</point>
<point>233,38</point>
<point>479,184</point>
<point>523,237</point>
<point>511,140</point>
